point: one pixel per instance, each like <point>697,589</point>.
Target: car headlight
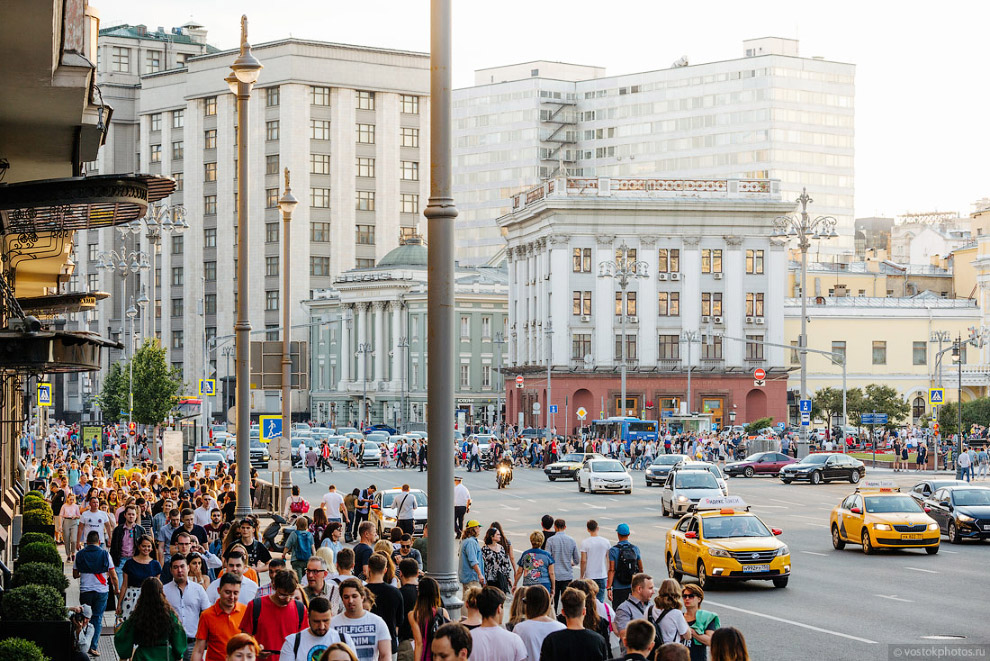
<point>719,553</point>
<point>682,499</point>
<point>881,526</point>
<point>389,519</point>
<point>965,518</point>
<point>783,550</point>
<point>933,526</point>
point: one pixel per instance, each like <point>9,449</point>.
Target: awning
<point>47,306</point>
<point>52,352</point>
<point>56,206</point>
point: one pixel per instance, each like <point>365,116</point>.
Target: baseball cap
<point>87,611</point>
<point>622,529</point>
<point>473,523</point>
<point>458,478</point>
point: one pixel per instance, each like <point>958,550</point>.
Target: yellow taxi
<point>721,540</point>
<point>878,515</point>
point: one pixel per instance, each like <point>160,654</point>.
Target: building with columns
<point>713,293</point>
<point>368,338</point>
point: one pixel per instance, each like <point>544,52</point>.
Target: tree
<point>826,403</point>
<point>975,412</point>
<point>155,384</point>
<point>886,399</point>
<point>754,427</point>
<point>113,395</point>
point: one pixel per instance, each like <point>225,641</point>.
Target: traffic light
<point>131,428</point>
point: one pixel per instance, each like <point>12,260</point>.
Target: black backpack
<point>626,565</point>
<point>437,621</point>
<point>256,614</point>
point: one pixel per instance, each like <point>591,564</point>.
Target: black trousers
<point>619,595</point>
<point>356,521</point>
<point>459,512</point>
<point>558,589</point>
<point>407,526</point>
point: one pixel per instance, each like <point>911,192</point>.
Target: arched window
<point>918,409</point>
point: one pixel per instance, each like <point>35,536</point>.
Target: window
<point>271,266</point>
<point>410,203</point>
<point>711,261</point>
<point>153,61</point>
<point>177,278</point>
<point>271,299</point>
<point>209,205</point>
<point>271,164</point>
<point>319,198</point>
<point>630,255</point>
<point>209,171</point>
<point>319,96</point>
<point>581,303</point>
<point>210,139</point>
<point>580,345</point>
<point>486,326</point>
<point>364,235</point>
<point>179,180</point>
<point>711,347</point>
<point>670,347</point>
<point>210,303</point>
<point>366,134</point>
<point>319,129</point>
<point>178,119</point>
<point>271,130</point>
<point>839,348</point>
<point>271,198</point>
<point>319,232</point>
<point>754,347</point>
<point>409,171</point>
<point>754,262</point>
<point>630,348</point>
<point>919,351</point>
<point>879,352</point>
<point>271,96</point>
<point>365,167</point>
<point>210,237</point>
<point>465,327</point>
<point>711,304</point>
<point>271,232</point>
<point>365,100</point>
<point>409,137</point>
<point>669,260</point>
<point>581,260</point>
<point>210,271</point>
<point>364,263</point>
<point>156,121</point>
<point>365,200</point>
<point>754,304</point>
<point>210,106</point>
<point>669,304</point>
<point>465,376</point>
<point>177,307</point>
<point>486,376</point>
<point>156,154</point>
<point>94,251</point>
<point>177,339</point>
<point>409,104</point>
<point>177,245</point>
<point>178,149</point>
<point>93,281</point>
<point>319,163</point>
<point>319,266</point>
<point>121,59</point>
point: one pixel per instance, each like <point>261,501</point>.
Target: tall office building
<point>770,114</point>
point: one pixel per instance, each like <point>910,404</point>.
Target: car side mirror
<point>691,535</point>
<point>927,510</point>
<point>777,531</point>
<point>945,503</point>
<point>376,507</point>
<point>856,510</point>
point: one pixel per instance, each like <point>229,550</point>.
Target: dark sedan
<point>824,467</point>
<point>922,491</point>
<point>657,471</point>
<point>962,512</point>
<point>759,463</point>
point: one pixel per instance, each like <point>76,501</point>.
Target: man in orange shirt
<point>220,622</point>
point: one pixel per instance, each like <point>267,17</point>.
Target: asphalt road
<point>838,605</point>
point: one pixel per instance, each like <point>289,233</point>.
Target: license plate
<point>750,569</point>
<point>613,486</point>
<point>556,470</point>
<point>986,527</point>
<point>910,536</point>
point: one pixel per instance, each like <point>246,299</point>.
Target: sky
<point>921,95</point>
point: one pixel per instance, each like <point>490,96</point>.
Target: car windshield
<point>210,457</point>
<point>723,527</point>
<point>389,497</point>
<point>755,457</point>
<point>815,459</point>
<point>370,445</point>
<point>695,480</point>
<point>667,459</point>
<point>971,497</point>
<point>572,458</point>
<point>891,504</point>
<point>257,444</point>
<point>607,467</point>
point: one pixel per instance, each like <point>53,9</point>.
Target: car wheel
<point>704,581</point>
<point>816,478</point>
<point>780,582</point>
<point>854,477</point>
<point>628,490</point>
<point>748,472</point>
<point>785,480</point>
<point>580,488</point>
<point>954,537</point>
<point>663,508</point>
<point>553,479</point>
<point>837,542</point>
<point>867,545</point>
<point>931,550</point>
<point>672,569</point>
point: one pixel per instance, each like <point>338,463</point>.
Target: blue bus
<point>625,429</point>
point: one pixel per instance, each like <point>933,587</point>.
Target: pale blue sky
<point>921,90</point>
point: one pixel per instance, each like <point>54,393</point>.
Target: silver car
<point>684,488</point>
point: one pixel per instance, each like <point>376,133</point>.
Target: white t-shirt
<point>249,590</point>
<point>461,496</point>
<point>331,504</point>
<point>311,647</point>
<point>90,520</point>
<point>366,631</point>
<point>533,632</point>
<point>406,502</point>
<point>596,548</point>
<point>94,582</point>
<point>496,644</point>
<point>673,625</point>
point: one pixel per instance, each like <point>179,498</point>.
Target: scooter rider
<point>504,464</point>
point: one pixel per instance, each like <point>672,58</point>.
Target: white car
<point>706,466</point>
<point>684,488</point>
<point>384,510</point>
<point>206,460</point>
<point>604,475</point>
<point>372,454</point>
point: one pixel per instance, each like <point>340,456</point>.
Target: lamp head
<point>288,202</point>
<point>246,67</point>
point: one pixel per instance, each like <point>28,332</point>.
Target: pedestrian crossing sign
<point>936,396</point>
<point>271,427</point>
<point>207,387</point>
<point>44,394</point>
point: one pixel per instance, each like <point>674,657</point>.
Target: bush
<point>36,505</point>
<point>33,603</point>
<point>40,573</point>
<point>32,498</point>
<point>40,552</point>
<point>35,492</point>
<point>38,517</point>
<point>755,426</point>
<point>18,649</point>
<point>36,537</point>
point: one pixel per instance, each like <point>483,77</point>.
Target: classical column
<point>647,302</point>
<point>345,346</point>
<point>604,304</point>
<point>559,275</point>
<point>734,300</point>
<point>775,268</point>
<point>381,351</point>
<point>395,375</point>
<point>362,338</point>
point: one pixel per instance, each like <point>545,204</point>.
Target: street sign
<point>207,387</point>
<point>519,381</point>
<point>805,406</point>
<point>271,427</point>
<point>780,425</point>
<point>759,374</point>
<point>879,418</point>
<point>601,415</point>
<point>936,396</point>
<point>281,448</point>
<point>805,420</point>
<point>866,418</point>
<point>553,408</point>
<point>536,407</point>
<point>759,383</point>
<point>582,413</point>
<point>44,394</point>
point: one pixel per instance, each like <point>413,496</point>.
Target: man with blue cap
<point>624,562</point>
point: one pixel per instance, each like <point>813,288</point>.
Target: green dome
<point>412,253</point>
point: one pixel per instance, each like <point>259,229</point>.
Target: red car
<point>759,463</point>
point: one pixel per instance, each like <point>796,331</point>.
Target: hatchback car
<point>372,454</point>
<point>205,460</point>
<point>706,466</point>
<point>824,467</point>
<point>924,490</point>
<point>961,512</point>
<point>604,475</point>
<point>383,510</point>
<point>759,463</point>
<point>684,488</point>
<point>883,518</point>
<point>656,472</point>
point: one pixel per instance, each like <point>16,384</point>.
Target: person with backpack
<point>668,616</point>
<point>274,618</point>
<point>624,562</point>
<point>309,643</point>
<point>426,617</point>
<point>637,605</point>
<point>296,504</point>
<point>300,545</point>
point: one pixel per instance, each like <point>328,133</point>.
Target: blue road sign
<point>879,418</point>
<point>207,387</point>
<point>805,405</point>
<point>936,396</point>
<point>271,427</point>
<point>553,408</point>
<point>780,425</point>
<point>44,394</point>
<point>866,419</point>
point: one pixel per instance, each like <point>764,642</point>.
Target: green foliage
<point>755,426</point>
<point>35,504</point>
<point>885,399</point>
<point>156,385</point>
<point>33,603</point>
<point>826,404</point>
<point>40,552</point>
<point>38,517</point>
<point>40,573</point>
<point>18,649</point>
<point>35,493</point>
<point>36,538</point>
<point>975,412</point>
<point>113,395</point>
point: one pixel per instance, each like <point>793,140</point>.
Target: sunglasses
<point>689,595</point>
<point>406,546</point>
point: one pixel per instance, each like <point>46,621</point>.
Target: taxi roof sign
<point>878,485</point>
<point>724,502</point>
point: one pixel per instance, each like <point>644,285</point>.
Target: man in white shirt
<point>490,642</point>
<point>188,599</point>
<point>369,633</point>
<point>234,563</point>
<point>333,505</point>
<point>95,519</point>
<point>405,510</point>
<point>309,643</point>
<point>201,515</point>
<point>594,558</point>
<point>462,503</point>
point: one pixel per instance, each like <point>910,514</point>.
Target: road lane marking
<point>952,552</point>
<point>801,516</point>
<point>814,553</point>
<point>894,597</point>
<point>927,571</point>
<point>797,624</point>
<point>594,507</point>
<point>786,502</point>
<point>776,507</point>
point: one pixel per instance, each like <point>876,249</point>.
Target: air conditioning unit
<point>717,320</point>
<point>705,320</point>
<point>749,320</point>
<point>586,318</point>
<point>661,276</point>
<point>632,320</point>
<point>675,276</point>
<point>717,276</point>
<point>760,321</point>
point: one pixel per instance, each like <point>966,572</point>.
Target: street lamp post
<point>363,350</point>
<point>160,220</point>
<point>623,271</point>
<point>690,337</point>
<point>499,339</point>
<point>287,205</point>
<point>131,313</point>
<point>546,415</point>
<point>804,229</point>
<point>403,345</point>
<point>243,76</point>
<point>227,352</point>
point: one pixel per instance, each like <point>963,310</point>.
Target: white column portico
<point>395,373</point>
<point>345,349</point>
<point>380,351</point>
<point>362,338</point>
<point>647,303</point>
<point>604,339</point>
<point>734,301</point>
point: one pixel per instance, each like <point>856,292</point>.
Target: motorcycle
<point>277,533</point>
<point>503,475</point>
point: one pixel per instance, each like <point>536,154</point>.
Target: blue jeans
<point>600,582</point>
<point>98,602</point>
<point>312,472</point>
<point>474,463</point>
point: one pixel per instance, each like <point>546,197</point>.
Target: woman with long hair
<point>728,644</point>
<point>592,620</point>
<point>152,627</point>
<point>498,566</point>
<point>505,542</point>
<point>422,616</point>
<point>384,547</point>
<point>668,615</point>
<point>539,622</point>
<point>197,572</point>
<point>332,540</point>
<point>136,571</point>
<point>318,526</point>
<point>69,515</point>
